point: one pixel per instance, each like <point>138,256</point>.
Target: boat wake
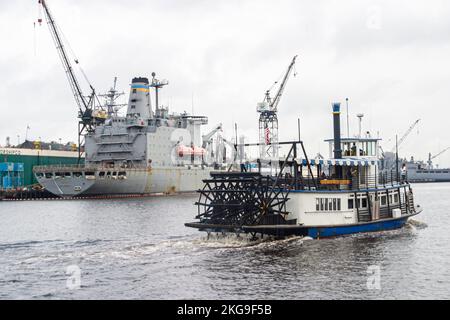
<point>415,224</point>
<point>244,242</point>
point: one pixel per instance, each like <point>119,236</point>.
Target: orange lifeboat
<point>183,151</point>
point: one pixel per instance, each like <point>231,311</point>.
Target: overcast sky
<point>390,58</point>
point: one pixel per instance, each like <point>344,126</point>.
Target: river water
<point>140,249</point>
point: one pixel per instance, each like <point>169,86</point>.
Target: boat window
<point>328,204</point>
<point>390,198</point>
<point>445,171</point>
<point>396,197</point>
<point>122,174</point>
<point>108,174</point>
<point>77,174</point>
<point>89,173</point>
<point>48,175</point>
<point>39,174</point>
<point>58,174</point>
<point>114,173</point>
<point>350,204</point>
<point>364,203</point>
<point>383,200</point>
<point>67,174</point>
<point>101,174</point>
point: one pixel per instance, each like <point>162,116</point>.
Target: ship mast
<point>110,100</point>
<point>85,105</point>
<point>157,84</point>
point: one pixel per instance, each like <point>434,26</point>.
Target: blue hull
<point>317,232</point>
<point>324,232</point>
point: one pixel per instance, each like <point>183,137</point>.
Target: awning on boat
<point>337,162</point>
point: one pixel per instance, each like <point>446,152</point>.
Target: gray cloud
<point>390,59</point>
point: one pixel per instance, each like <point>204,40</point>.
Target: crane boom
<point>276,100</point>
<point>86,113</point>
<point>74,84</point>
<point>207,137</point>
<point>405,135</point>
<point>440,153</point>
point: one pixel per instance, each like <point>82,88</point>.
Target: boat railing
<point>391,178</point>
<point>354,183</point>
<point>83,168</point>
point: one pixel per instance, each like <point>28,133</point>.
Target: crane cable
<point>67,44</point>
<point>274,84</point>
<point>282,74</point>
<point>75,57</point>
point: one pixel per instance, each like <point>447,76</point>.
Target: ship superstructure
<point>143,152</point>
<point>146,151</point>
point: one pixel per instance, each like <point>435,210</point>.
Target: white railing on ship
<point>73,167</point>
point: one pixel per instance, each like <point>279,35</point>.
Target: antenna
<point>110,99</point>
<point>157,84</point>
<point>26,132</point>
<point>396,157</point>
<point>348,123</point>
<point>360,117</point>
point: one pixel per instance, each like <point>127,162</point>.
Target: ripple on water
<point>141,249</point>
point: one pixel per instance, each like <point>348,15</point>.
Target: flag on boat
<point>267,135</point>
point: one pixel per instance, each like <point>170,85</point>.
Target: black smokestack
<point>140,80</point>
<point>337,130</point>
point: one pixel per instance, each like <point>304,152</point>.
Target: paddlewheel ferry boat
<point>319,198</point>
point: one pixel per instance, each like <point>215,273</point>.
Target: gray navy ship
<point>419,171</point>
<point>143,152</point>
<point>146,151</point>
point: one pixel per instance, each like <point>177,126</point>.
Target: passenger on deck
<point>354,149</point>
<point>348,174</point>
<point>403,174</point>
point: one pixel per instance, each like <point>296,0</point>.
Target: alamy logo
<point>374,278</point>
<point>73,282</point>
